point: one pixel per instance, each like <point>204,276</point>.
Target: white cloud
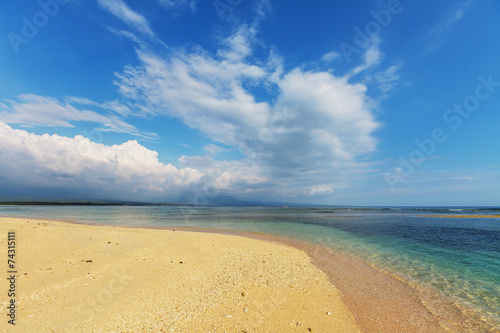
<point>454,15</point>
<point>223,109</point>
<point>331,56</point>
<point>317,126</point>
<point>371,58</point>
<point>320,190</point>
<point>33,110</point>
<point>120,9</point>
<point>212,149</point>
<point>238,46</point>
<point>179,4</point>
<point>326,123</point>
<point>126,171</point>
<point>76,167</point>
<point>128,35</point>
<point>387,79</point>
<point>236,176</point>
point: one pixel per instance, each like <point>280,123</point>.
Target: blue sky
<point>330,102</point>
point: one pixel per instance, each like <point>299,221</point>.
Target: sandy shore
<point>81,278</point>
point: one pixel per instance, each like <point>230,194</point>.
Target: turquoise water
<point>458,256</point>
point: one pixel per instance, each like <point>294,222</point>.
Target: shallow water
<point>457,256</point>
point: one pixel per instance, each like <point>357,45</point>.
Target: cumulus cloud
<point>223,109</point>
<point>79,168</point>
<point>326,122</point>
<point>238,177</point>
<point>316,126</point>
<point>120,9</point>
<point>126,171</point>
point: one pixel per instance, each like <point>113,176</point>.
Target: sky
<point>325,102</point>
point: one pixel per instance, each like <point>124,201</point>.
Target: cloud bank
<point>81,167</point>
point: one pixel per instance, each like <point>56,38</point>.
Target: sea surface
<point>459,257</point>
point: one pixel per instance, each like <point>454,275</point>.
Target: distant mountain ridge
<point>221,200</point>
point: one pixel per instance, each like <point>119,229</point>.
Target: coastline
<point>382,301</point>
<point>377,299</point>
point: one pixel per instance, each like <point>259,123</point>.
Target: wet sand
<point>384,302</point>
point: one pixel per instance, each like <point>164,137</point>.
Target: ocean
<point>459,257</point>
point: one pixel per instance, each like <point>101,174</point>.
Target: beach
<point>142,276</point>
<point>86,278</point>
